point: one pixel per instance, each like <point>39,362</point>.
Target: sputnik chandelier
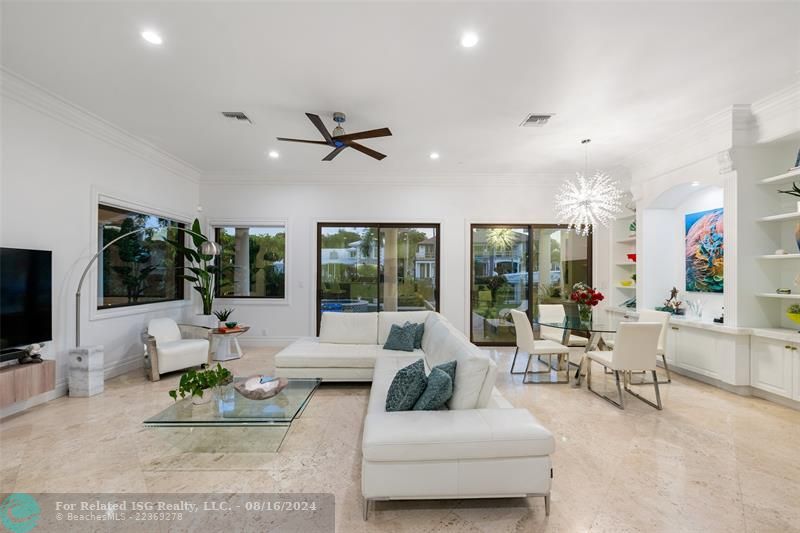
<point>588,201</point>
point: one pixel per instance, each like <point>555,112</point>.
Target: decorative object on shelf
<point>259,387</point>
<point>633,277</point>
<point>201,264</point>
<point>632,228</point>
<point>630,303</point>
<point>223,315</point>
<point>672,305</point>
<point>695,308</point>
<point>793,313</point>
<point>796,161</point>
<point>194,383</point>
<point>586,297</point>
<point>780,251</point>
<point>794,191</point>
<point>783,291</point>
<point>626,283</point>
<point>588,201</point>
<point>705,251</point>
<point>721,318</point>
<point>231,325</point>
<point>31,355</point>
<point>631,257</point>
<point>797,235</point>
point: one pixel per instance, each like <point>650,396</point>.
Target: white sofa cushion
<point>311,353</point>
<point>180,354</point>
<point>454,435</point>
<point>388,318</point>
<point>164,330</point>
<point>349,328</point>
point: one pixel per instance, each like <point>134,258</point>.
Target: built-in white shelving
<point>780,218</point>
<point>629,240</point>
<point>779,256</point>
<point>630,264</point>
<point>623,242</point>
<point>787,176</point>
<point>778,296</point>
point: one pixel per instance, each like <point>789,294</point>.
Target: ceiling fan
<point>340,140</point>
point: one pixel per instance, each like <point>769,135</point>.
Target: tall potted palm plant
<point>200,268</point>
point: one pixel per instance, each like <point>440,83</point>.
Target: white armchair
<point>170,347</point>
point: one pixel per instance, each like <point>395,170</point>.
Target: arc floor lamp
<point>206,248</point>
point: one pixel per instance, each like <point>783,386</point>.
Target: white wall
<point>52,174</point>
<point>301,206</point>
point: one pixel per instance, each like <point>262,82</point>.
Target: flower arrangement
<point>582,294</point>
<point>586,297</point>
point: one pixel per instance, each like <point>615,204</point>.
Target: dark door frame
<point>530,228</point>
<point>378,226</point>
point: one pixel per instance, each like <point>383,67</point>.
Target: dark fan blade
<point>333,154</point>
<point>382,132</point>
<point>364,150</point>
<point>301,141</point>
<point>321,127</point>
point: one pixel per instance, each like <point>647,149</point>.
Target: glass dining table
<point>593,330</point>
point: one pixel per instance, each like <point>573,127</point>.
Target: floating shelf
<point>629,240</point>
<point>632,264</point>
<point>778,296</point>
<point>779,256</point>
<point>794,173</point>
<point>633,287</point>
<point>627,217</point>
<point>779,218</point>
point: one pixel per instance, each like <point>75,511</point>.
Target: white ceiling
<point>624,74</point>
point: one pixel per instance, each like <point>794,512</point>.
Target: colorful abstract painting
<point>705,251</point>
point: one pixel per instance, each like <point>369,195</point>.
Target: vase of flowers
<point>586,297</point>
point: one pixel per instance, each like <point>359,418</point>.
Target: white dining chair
<point>662,317</point>
<point>634,351</point>
<point>527,344</point>
<point>556,313</point>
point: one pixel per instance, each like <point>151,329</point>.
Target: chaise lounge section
<point>480,447</point>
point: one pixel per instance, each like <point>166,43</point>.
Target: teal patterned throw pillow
<point>406,388</point>
<point>437,392</point>
<point>401,338</point>
<point>450,368</point>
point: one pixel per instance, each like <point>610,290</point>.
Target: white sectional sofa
<point>481,447</point>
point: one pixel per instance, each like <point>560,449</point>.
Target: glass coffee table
<point>232,423</point>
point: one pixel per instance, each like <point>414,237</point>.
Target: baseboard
<point>123,366</point>
<point>741,390</point>
<point>272,342</point>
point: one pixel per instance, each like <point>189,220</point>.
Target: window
<point>253,262</point>
<point>140,268</point>
<point>377,267</point>
<point>518,267</point>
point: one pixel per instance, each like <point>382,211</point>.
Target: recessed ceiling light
<point>469,39</point>
<point>273,154</point>
<point>695,184</point>
<point>152,37</point>
<point>434,155</point>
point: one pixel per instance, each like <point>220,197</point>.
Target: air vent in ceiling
<point>536,120</point>
<point>238,115</point>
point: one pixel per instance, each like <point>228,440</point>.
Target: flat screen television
<point>26,298</point>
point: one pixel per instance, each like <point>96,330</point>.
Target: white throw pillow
<point>349,328</point>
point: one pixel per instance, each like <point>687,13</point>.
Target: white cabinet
<point>718,354</point>
<point>796,394</point>
<point>696,351</point>
<point>672,344</point>
<point>774,366</point>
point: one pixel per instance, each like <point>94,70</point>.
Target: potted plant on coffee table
<point>195,383</point>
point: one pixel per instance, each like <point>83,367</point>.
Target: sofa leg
<point>547,505</point>
<point>366,509</point>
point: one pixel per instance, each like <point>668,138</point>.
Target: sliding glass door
<point>518,267</point>
<point>377,267</point>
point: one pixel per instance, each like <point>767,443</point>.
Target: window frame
<point>221,224</point>
<point>378,226</point>
<point>530,228</point>
<point>109,311</point>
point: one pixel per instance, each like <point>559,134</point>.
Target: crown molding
<point>335,179</point>
<point>777,115</point>
<point>34,96</point>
